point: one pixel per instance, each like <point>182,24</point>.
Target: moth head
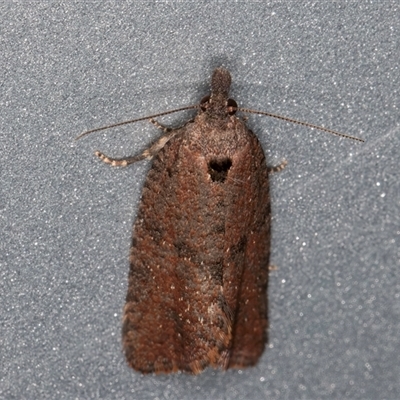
<point>231,105</point>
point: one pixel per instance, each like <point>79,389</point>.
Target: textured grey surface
<point>65,218</point>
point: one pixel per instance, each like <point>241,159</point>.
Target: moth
<point>197,290</point>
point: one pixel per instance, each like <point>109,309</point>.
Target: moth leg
<point>164,128</point>
<point>120,162</point>
<point>277,168</point>
<point>149,153</point>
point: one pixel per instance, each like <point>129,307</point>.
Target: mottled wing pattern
<point>199,258</point>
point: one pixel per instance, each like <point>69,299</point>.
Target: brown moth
<point>197,292</point>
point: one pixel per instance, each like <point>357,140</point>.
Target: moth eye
<point>204,102</point>
<point>218,169</point>
<point>232,106</point>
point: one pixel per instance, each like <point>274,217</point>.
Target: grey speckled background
<point>65,218</point>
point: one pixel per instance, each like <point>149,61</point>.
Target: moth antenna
<point>295,121</point>
<point>136,120</point>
